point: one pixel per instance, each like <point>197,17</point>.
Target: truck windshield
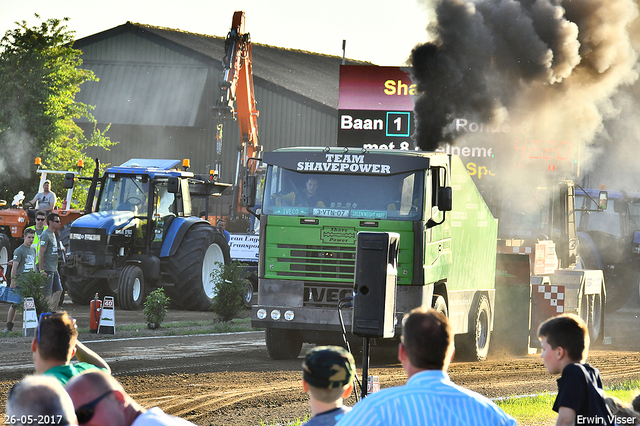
<point>397,197</point>
<point>128,193</point>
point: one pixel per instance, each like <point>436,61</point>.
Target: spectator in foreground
<point>41,399</point>
<point>56,342</point>
<point>565,347</point>
<point>623,411</point>
<point>636,403</point>
<point>327,376</point>
<point>429,397</point>
<point>100,400</point>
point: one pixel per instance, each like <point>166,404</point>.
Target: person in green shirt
<point>48,260</point>
<point>56,343</point>
<point>24,260</point>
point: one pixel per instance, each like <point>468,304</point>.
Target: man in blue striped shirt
<point>429,397</point>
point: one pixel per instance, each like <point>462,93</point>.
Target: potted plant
<point>155,308</point>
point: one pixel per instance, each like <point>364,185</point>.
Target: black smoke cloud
<point>551,66</point>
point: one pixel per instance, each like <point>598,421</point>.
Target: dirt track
<point>230,380</point>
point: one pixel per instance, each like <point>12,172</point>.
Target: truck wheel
<point>247,294</point>
<point>474,346</point>
<point>131,288</point>
<point>5,252</point>
<point>82,290</point>
<point>283,344</point>
<point>202,250</point>
<point>440,305</point>
<point>591,313</point>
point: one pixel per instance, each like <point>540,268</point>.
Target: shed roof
<point>311,75</point>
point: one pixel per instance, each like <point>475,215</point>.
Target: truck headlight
<point>288,315</point>
<point>261,313</point>
<point>275,314</point>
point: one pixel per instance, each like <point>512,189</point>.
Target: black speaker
<point>374,286</point>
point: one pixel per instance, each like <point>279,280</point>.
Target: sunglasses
<point>55,221</point>
<point>85,412</point>
<point>40,219</point>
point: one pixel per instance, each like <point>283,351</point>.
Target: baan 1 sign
<point>376,107</point>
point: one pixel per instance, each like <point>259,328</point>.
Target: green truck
<point>315,201</point>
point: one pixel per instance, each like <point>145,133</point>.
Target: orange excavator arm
<point>237,97</point>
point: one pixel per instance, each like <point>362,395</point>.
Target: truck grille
<point>318,262</point>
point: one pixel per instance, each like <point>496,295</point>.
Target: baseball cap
<point>47,181</point>
<point>328,367</point>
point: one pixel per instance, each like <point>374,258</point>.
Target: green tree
<point>40,76</point>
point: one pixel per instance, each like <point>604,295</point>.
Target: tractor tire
<point>5,253</point>
<point>618,292</point>
<point>474,346</point>
<point>592,313</point>
<point>283,344</point>
<point>130,288</point>
<point>82,290</point>
<point>202,250</point>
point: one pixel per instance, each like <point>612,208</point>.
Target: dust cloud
<point>530,72</point>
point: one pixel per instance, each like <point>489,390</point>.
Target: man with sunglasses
<point>100,400</point>
<point>56,343</point>
<point>48,260</point>
<point>39,400</point>
<point>39,227</point>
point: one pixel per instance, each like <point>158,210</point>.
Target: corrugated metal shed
<point>157,87</point>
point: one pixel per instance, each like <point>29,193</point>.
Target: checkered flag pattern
<point>554,295</point>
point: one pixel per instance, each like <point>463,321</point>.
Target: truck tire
<point>474,346</point>
<point>247,294</point>
<point>131,288</point>
<point>200,252</point>
<point>440,305</point>
<point>283,344</point>
<point>5,253</point>
<point>82,290</point>
<point>591,313</point>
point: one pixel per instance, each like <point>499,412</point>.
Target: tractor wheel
<point>474,346</point>
<point>5,252</point>
<point>202,251</point>
<point>131,288</point>
<point>283,344</point>
<point>619,290</point>
<point>591,313</point>
<point>82,290</point>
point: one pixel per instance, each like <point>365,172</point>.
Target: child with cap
<point>327,376</point>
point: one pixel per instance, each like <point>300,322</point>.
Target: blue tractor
<point>139,234</point>
<point>609,238</point>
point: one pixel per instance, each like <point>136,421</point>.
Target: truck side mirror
<point>69,180</point>
<point>249,191</point>
<point>603,198</point>
<point>173,185</point>
<point>445,199</point>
